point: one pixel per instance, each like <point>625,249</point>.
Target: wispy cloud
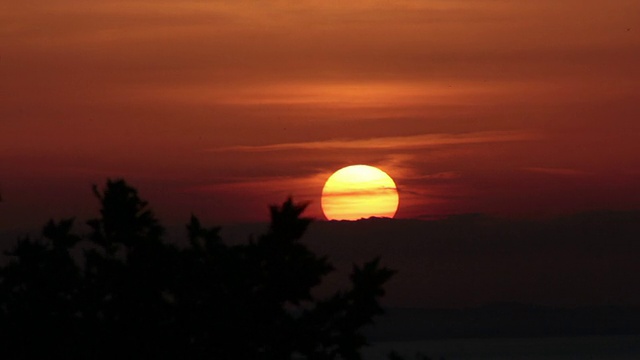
<point>390,143</point>
<point>557,171</point>
<point>445,175</point>
<point>334,93</point>
<point>264,184</point>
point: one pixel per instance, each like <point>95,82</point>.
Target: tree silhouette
<point>123,291</point>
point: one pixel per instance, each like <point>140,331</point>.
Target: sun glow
<point>359,191</point>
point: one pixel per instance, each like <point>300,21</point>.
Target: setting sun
<point>359,191</point>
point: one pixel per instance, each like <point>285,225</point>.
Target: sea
<point>557,348</point>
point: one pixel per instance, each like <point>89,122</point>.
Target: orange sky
<point>222,107</point>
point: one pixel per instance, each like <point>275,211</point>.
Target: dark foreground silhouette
<point>121,291</point>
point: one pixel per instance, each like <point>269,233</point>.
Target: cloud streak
<point>556,171</point>
<point>412,142</point>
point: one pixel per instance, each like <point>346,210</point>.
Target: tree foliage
<point>123,291</point>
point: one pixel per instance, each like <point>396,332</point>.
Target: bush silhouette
<point>123,291</point>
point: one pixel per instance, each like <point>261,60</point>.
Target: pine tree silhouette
<point>131,294</point>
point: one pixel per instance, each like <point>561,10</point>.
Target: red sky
<point>222,107</point>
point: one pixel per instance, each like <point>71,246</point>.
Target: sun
<point>357,192</point>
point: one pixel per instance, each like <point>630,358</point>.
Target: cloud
<point>557,171</point>
<point>391,143</point>
<point>379,94</point>
<point>445,175</point>
<point>263,184</point>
